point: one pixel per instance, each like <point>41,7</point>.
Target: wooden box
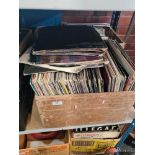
<point>22,141</point>
<point>83,110</point>
<point>61,149</point>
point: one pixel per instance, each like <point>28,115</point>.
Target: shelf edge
<point>70,127</point>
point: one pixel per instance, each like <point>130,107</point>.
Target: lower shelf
<point>117,108</point>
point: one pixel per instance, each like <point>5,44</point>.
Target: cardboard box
<point>60,149</point>
<point>98,132</point>
<point>91,145</point>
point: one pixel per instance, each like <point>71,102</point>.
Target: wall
<point>123,23</point>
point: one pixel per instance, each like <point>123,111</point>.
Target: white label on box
<point>56,103</point>
<point>97,135</point>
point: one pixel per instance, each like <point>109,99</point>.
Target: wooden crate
<point>59,149</point>
<point>22,141</point>
<point>70,111</point>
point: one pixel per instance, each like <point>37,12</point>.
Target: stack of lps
<point>120,73</point>
<point>61,83</point>
<point>77,61</point>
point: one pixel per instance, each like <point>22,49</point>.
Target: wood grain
<point>96,108</point>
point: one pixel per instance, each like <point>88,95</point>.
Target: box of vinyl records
<point>94,139</point>
<point>79,79</point>
<point>51,146</point>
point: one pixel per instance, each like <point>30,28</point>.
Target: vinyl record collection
<point>60,83</point>
<point>75,60</point>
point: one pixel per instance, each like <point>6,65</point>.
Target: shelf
<point>35,126</point>
<point>95,5</point>
<point>123,116</point>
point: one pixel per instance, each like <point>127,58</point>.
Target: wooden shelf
<point>117,108</point>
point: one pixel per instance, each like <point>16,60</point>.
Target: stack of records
<point>75,60</point>
<point>65,48</point>
<point>61,83</point>
<point>123,75</point>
